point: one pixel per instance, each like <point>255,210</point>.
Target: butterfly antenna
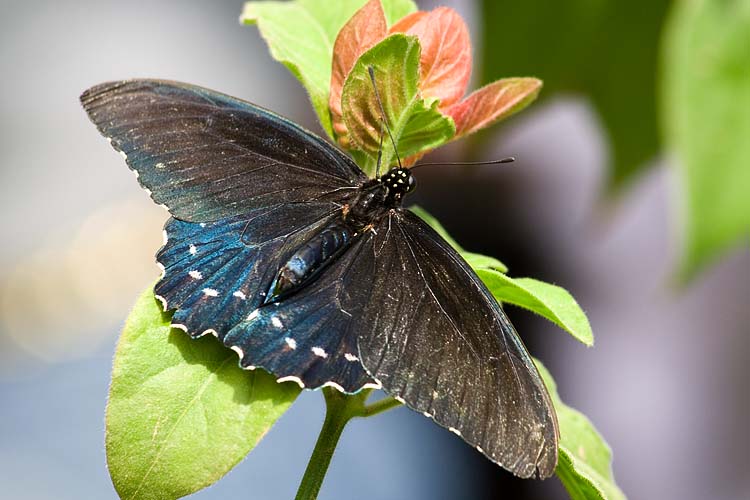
<point>371,71</point>
<point>380,150</point>
<point>509,159</point>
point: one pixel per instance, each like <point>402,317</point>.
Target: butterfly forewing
<point>206,155</point>
<point>432,334</point>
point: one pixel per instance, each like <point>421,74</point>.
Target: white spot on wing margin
<point>291,378</point>
<point>162,300</point>
<point>334,385</point>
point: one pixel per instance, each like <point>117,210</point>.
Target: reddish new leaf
<point>407,22</point>
<point>416,126</point>
<point>492,103</point>
<point>445,65</point>
<point>366,28</point>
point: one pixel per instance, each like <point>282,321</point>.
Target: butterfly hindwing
<point>217,274</point>
<point>207,156</point>
<point>309,336</point>
<point>433,335</point>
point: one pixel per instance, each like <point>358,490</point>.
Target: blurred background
<point>592,204</point>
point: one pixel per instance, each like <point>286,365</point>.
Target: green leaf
<point>181,412</point>
<point>706,117</point>
<point>585,461</point>
<point>396,9</point>
<point>416,124</point>
<point>479,261</point>
<point>549,301</point>
<point>589,48</point>
<point>301,33</point>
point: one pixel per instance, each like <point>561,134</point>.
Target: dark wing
<point>207,156</point>
<point>433,335</point>
<point>216,276</point>
<point>309,336</point>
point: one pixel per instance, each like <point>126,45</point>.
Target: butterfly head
<point>398,182</point>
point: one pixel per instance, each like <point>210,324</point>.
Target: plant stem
<point>380,406</point>
<point>340,408</point>
<point>338,413</point>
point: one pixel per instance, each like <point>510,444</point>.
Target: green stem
<point>380,406</point>
<point>340,408</point>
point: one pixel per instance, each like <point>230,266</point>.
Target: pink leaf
<point>366,28</point>
<point>407,22</point>
<point>445,65</point>
<point>492,103</point>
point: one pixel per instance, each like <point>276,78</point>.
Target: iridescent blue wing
<point>247,188</point>
<point>208,156</point>
<point>432,334</point>
<point>216,276</point>
<point>309,337</point>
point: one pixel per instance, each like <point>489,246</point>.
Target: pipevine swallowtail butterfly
<point>280,246</point>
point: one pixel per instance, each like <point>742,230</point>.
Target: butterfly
<point>282,247</point>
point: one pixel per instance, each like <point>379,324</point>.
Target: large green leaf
<point>301,33</point>
<point>585,461</point>
<point>479,261</point>
<point>604,50</point>
<point>416,125</point>
<point>550,301</point>
<point>181,412</point>
<point>706,117</point>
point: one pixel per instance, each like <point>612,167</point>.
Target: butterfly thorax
<point>373,202</point>
<point>380,195</point>
<point>398,182</point>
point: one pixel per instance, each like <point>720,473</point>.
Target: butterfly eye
<point>412,183</point>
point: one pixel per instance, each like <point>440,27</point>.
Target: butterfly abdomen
<point>310,258</point>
